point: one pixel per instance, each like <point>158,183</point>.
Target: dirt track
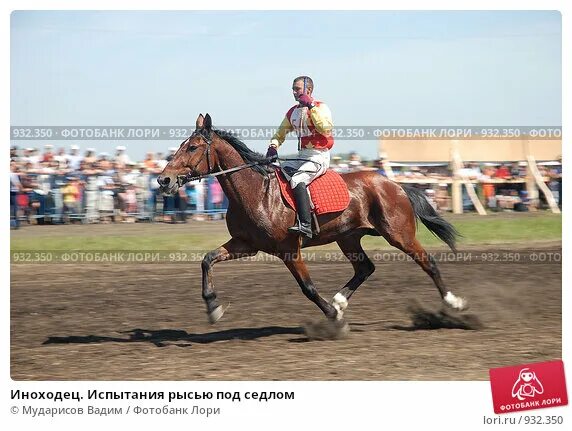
<point>147,322</point>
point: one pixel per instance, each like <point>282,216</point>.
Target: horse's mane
<point>246,153</point>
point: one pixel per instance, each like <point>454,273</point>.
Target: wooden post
<point>457,166</point>
<point>540,183</point>
<point>387,169</point>
<point>534,179</point>
<point>457,196</point>
<point>474,198</point>
<point>531,190</point>
<point>456,187</point>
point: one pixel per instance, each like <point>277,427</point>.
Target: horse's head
<point>193,158</point>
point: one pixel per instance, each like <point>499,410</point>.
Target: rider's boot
<point>304,225</point>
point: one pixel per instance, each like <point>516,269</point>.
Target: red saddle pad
<point>329,192</point>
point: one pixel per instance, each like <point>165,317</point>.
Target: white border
<point>328,405</point>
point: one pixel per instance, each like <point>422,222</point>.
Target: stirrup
<point>301,230</point>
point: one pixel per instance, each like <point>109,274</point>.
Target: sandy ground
<point>148,322</point>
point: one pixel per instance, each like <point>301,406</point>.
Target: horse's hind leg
<point>363,268</point>
<point>404,239</point>
<point>300,272</point>
<point>427,262</point>
<point>233,249</point>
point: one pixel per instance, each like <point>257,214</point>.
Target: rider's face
<point>298,89</point>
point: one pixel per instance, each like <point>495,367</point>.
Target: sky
<point>372,68</point>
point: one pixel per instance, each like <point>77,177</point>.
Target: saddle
<point>328,193</point>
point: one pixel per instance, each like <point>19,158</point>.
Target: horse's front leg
<point>233,249</point>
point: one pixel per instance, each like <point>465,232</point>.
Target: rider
<point>312,121</point>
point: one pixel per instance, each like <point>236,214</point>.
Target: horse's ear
<point>208,123</point>
<point>200,121</point>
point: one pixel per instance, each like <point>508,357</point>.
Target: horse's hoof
<point>340,303</point>
<point>216,314</point>
<point>456,302</point>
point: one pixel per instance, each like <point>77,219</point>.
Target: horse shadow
<point>422,319</point>
<point>180,338</point>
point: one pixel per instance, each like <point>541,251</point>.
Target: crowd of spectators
<point>500,186</point>
<point>64,187</point>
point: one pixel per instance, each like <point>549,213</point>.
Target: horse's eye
<point>191,148</point>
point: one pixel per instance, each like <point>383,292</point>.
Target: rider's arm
<point>281,133</point>
<point>322,119</point>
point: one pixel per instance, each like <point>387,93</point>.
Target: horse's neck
<point>240,186</point>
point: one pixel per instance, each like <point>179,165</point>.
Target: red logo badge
<point>528,386</point>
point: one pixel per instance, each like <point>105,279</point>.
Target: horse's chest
<point>240,224</point>
<point>260,231</point>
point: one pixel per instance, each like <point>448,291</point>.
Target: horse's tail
<point>436,224</point>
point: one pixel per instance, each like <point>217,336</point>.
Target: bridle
<point>207,137</point>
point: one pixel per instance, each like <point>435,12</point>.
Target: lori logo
<point>528,386</point>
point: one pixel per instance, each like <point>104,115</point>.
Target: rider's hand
<point>306,100</point>
<point>272,152</point>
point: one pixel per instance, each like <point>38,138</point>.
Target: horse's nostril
<point>164,181</point>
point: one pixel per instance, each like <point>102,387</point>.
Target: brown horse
<point>258,219</point>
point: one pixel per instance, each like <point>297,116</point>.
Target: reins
<point>183,179</point>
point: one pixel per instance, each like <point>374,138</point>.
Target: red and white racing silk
<point>313,127</point>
